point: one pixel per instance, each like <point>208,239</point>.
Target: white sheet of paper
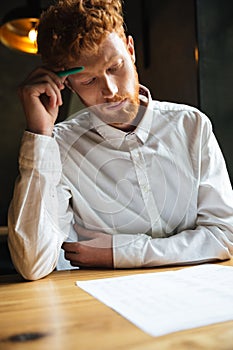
<point>165,302</point>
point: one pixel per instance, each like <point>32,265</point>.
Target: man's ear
<point>130,47</point>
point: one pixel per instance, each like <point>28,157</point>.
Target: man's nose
<point>109,87</point>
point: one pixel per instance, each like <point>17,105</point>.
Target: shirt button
<point>145,188</point>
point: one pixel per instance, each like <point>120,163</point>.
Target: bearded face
<point>121,109</point>
<point>109,83</point>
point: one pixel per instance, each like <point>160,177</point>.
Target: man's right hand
<point>40,95</point>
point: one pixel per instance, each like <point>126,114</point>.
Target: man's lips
<point>115,106</point>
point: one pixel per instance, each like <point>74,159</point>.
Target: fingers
<point>41,98</point>
<point>52,91</point>
<point>80,254</point>
<point>41,72</point>
<point>71,247</point>
<point>40,90</point>
<point>77,254</point>
<point>43,82</point>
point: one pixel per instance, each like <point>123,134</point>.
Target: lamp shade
<point>19,28</point>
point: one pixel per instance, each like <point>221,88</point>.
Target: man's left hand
<point>94,249</point>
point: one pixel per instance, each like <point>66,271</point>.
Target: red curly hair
<point>71,26</point>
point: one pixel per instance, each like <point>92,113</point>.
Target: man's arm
<point>34,234</point>
<point>211,239</point>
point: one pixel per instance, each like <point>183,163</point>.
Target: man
<point>128,182</point>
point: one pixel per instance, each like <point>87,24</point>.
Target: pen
<point>63,73</point>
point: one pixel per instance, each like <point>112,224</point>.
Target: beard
<point>122,110</point>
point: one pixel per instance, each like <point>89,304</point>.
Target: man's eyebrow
<point>82,74</point>
<point>86,73</point>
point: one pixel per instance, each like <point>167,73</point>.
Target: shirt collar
<point>143,129</point>
<point>116,136</point>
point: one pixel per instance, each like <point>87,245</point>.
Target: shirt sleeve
<point>211,238</point>
<point>39,216</point>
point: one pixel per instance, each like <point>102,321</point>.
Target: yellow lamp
<point>19,28</point>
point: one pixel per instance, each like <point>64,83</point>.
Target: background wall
<point>165,37</point>
<point>215,41</point>
<point>165,33</point>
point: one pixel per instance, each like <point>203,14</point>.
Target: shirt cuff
<point>39,152</point>
<point>128,250</point>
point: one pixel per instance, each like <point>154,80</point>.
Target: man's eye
<point>88,82</point>
<point>115,67</point>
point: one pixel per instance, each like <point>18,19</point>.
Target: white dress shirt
<point>162,191</point>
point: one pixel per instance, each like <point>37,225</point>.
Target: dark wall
<point>215,38</point>
<point>165,37</point>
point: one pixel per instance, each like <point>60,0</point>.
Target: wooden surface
<point>54,314</point>
<point>3,230</point>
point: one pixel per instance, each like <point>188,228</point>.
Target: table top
<point>3,230</point>
<point>53,313</point>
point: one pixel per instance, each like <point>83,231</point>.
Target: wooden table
<point>53,314</point>
<point>3,230</point>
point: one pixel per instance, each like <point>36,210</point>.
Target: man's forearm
<point>191,246</point>
<point>34,235</point>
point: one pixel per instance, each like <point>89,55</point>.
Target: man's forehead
<point>103,60</point>
<point>109,51</point>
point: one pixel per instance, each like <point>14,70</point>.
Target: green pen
<point>63,73</point>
